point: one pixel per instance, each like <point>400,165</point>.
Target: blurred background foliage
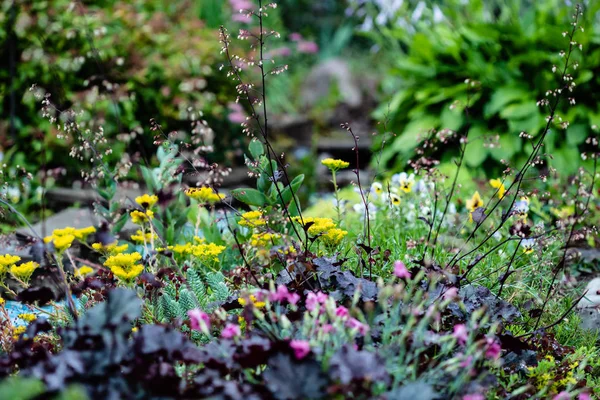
<point>122,63</point>
<point>431,48</point>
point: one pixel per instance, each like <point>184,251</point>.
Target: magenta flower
<point>307,47</point>
<point>281,294</point>
<point>293,298</point>
<point>199,320</point>
<point>311,301</point>
<point>327,328</point>
<point>562,396</point>
<point>301,348</point>
<point>493,349</point>
<point>400,270</point>
<point>353,323</point>
<point>230,331</point>
<point>342,312</point>
<point>473,397</point>
<point>322,297</point>
<point>461,334</point>
<point>466,363</point>
<point>584,396</point>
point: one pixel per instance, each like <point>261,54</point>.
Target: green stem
<point>337,198</point>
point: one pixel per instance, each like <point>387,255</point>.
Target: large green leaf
<point>249,196</point>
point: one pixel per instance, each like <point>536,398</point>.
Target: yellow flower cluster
<point>18,331</point>
<point>143,237</point>
<point>207,253</point>
<point>24,271</point>
<point>63,238</point>
<point>146,200</point>
<point>7,261</point>
<point>334,164</point>
<point>2,301</point>
<point>124,266</point>
<point>264,239</point>
<point>545,374</point>
<point>333,237</point>
<point>27,317</point>
<point>112,248</point>
<point>253,300</point>
<point>204,195</point>
<point>252,219</point>
<point>318,224</point>
<point>141,217</point>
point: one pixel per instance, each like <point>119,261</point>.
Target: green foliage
<point>510,50</point>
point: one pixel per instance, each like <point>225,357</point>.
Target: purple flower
<point>295,37</point>
<point>307,47</point>
<point>473,397</point>
<point>342,312</point>
<point>353,323</point>
<point>400,270</point>
<point>461,334</point>
<point>562,396</point>
<point>301,348</point>
<point>199,320</point>
<point>230,331</point>
<point>493,349</point>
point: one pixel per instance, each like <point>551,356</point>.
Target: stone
<point>589,306</point>
<point>320,80</point>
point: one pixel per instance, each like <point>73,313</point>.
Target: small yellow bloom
<point>207,253</point>
<point>474,202</point>
<point>18,331</point>
<point>83,233</point>
<point>395,199</point>
<point>497,184</point>
<point>252,219</point>
<point>27,317</point>
<point>62,243</point>
<point>84,270</point>
<point>253,300</point>
<point>204,195</point>
<point>139,217</point>
<point>333,237</point>
<point>112,248</point>
<point>334,164</point>
<point>2,301</point>
<point>6,262</point>
<point>146,200</point>
<point>23,272</point>
<point>124,266</point>
<point>141,237</point>
<point>264,239</point>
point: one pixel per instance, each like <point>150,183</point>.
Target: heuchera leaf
<point>249,196</point>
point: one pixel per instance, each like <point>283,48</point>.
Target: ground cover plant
<point>413,284</point>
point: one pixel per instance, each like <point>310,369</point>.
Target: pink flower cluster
<point>314,300</point>
<point>245,6</point>
<point>304,46</point>
<point>282,294</point>
<point>199,320</point>
<point>301,348</point>
<point>400,270</point>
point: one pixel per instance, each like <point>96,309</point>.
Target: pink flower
<point>327,328</point>
<point>562,396</point>
<point>301,348</point>
<point>295,37</point>
<point>281,294</point>
<point>311,301</point>
<point>243,18</point>
<point>237,115</point>
<point>322,297</point>
<point>461,334</point>
<point>400,270</point>
<point>466,362</point>
<point>307,47</point>
<point>584,396</point>
<point>450,294</point>
<point>238,5</point>
<point>280,52</point>
<point>493,349</point>
<point>199,320</point>
<point>473,397</point>
<point>230,331</point>
<point>342,312</point>
<point>353,323</point>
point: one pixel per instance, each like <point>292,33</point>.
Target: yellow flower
<point>146,200</point>
<point>497,184</point>
<point>181,248</point>
<point>204,195</point>
<point>124,266</point>
<point>27,317</point>
<point>112,248</point>
<point>139,217</point>
<point>207,252</point>
<point>83,233</point>
<point>335,165</point>
<point>69,230</point>
<point>141,237</point>
<point>474,202</point>
<point>84,270</point>
<point>333,237</point>
<point>252,219</point>
<point>318,224</point>
<point>17,331</point>
<point>395,199</point>
<point>1,301</point>
<point>253,300</point>
<point>7,261</point>
<point>23,272</point>
<point>62,243</point>
<point>263,239</point>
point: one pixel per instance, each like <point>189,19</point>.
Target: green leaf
<point>292,188</point>
<point>576,134</point>
<point>120,223</point>
<point>501,98</point>
<point>249,196</point>
<point>256,148</point>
